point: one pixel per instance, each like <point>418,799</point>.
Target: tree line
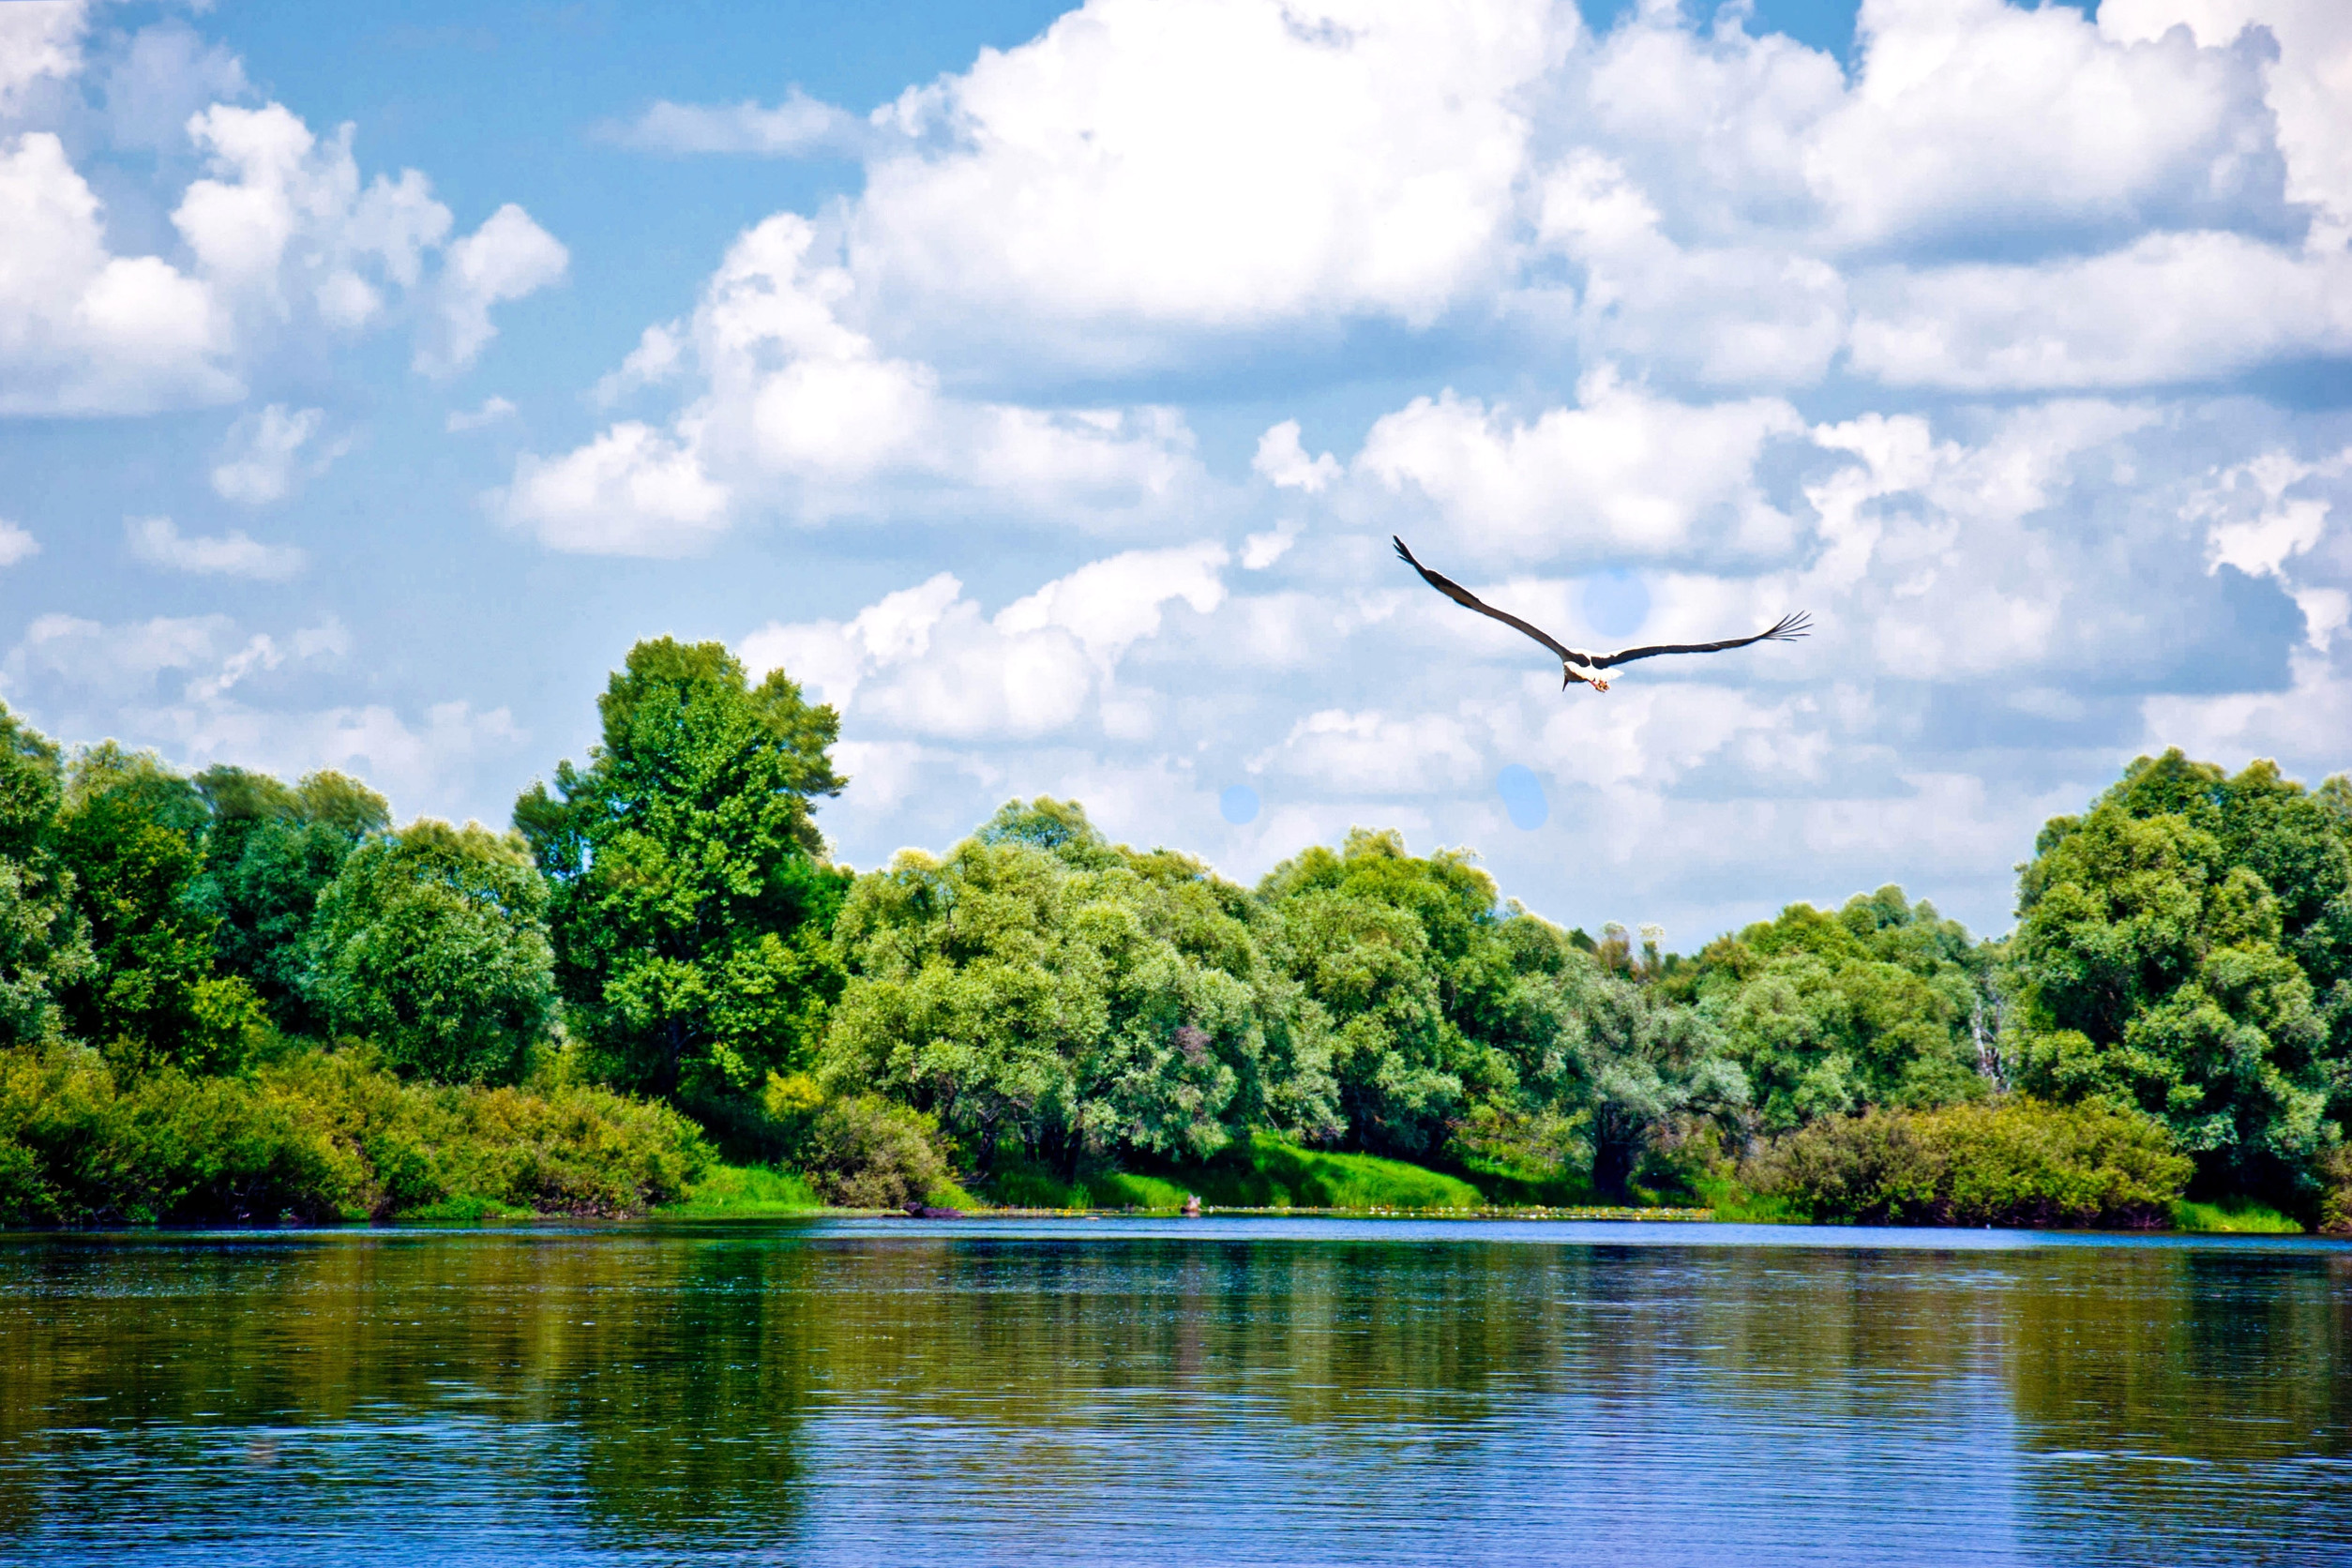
<point>660,957</point>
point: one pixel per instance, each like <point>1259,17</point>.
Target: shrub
<point>2018,1162</point>
<point>318,1137</point>
<point>2336,1196</point>
<point>859,1150</point>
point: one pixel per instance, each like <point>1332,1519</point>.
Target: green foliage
<point>44,942</point>
<point>1391,950</point>
<point>432,943</point>
<point>1882,1003</point>
<point>130,831</point>
<point>270,851</point>
<point>1127,1189</point>
<point>862,1152</point>
<point>690,902</point>
<point>1074,1022</point>
<point>2170,957</point>
<point>1659,1086</point>
<point>319,1137</point>
<point>1072,998</point>
<point>2335,1172</point>
<point>2016,1162</point>
<point>1544,1157</point>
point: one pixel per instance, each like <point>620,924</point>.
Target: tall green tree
<point>432,943</point>
<point>132,832</point>
<point>270,851</point>
<point>44,942</point>
<point>2166,959</point>
<point>690,897</point>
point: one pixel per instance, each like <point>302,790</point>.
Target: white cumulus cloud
<point>799,406</point>
<point>260,463</point>
<point>1624,472</point>
<point>631,491</point>
<point>16,543</point>
<point>925,660</point>
<point>1212,164</point>
<point>281,243</point>
<point>493,409</point>
<point>798,125</point>
<point>158,542</point>
<point>509,258</point>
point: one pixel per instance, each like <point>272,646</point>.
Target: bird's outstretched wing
<point>1784,629</point>
<point>1469,600</point>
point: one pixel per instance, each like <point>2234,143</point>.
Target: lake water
<point>1179,1391</point>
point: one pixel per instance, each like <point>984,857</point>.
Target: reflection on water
<point>1165,1392</point>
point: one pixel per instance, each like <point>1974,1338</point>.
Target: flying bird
<point>1574,666</point>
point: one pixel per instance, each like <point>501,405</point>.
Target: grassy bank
<point>745,1192</point>
<point>1260,1172</point>
<point>2233,1216</point>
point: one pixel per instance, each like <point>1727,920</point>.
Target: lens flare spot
<point>1522,795</point>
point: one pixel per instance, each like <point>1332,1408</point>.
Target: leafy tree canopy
<point>131,832</point>
<point>1042,987</point>
<point>1881,1002</point>
<point>270,851</point>
<point>690,900</point>
<point>432,943</point>
<point>2181,950</point>
<point>44,942</point>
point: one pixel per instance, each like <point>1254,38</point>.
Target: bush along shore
<point>229,999</point>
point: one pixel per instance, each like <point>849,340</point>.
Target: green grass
<point>1262,1172</point>
<point>947,1195</point>
<point>1020,1186</point>
<point>2233,1216</point>
<point>1266,1173</point>
<point>1515,1186</point>
<point>464,1207</point>
<point>745,1191</point>
<point>1733,1204</point>
<point>1122,1189</point>
<point>759,1192</point>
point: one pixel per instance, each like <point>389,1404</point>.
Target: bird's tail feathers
<point>1790,627</point>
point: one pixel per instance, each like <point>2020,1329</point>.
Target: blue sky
<point>1042,389</point>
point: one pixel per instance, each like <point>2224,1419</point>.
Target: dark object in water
<point>925,1211</point>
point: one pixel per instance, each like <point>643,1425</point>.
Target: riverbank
<point>750,1192</point>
